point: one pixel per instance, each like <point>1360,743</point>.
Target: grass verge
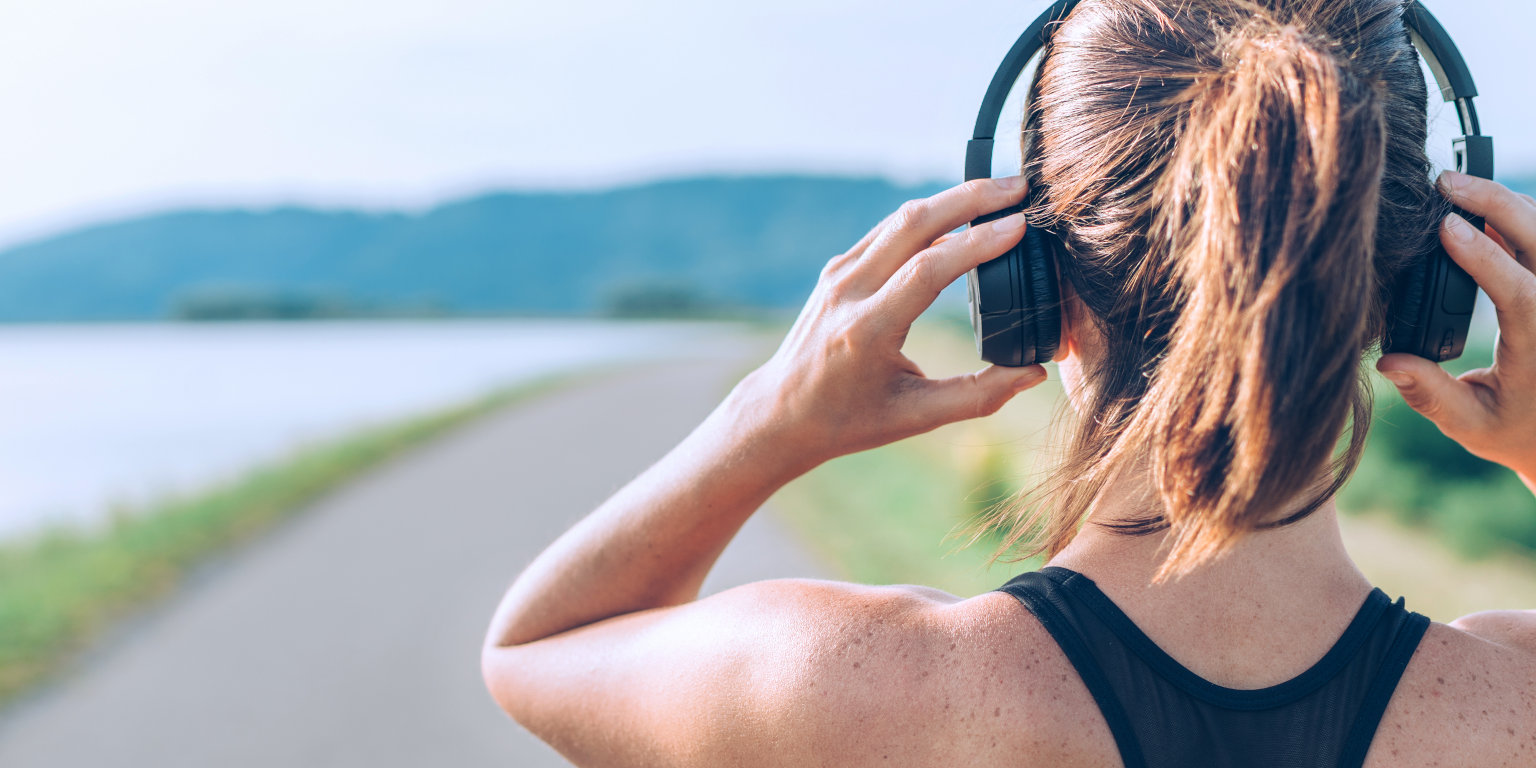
<point>61,587</point>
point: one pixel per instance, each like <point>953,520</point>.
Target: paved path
<point>351,636</point>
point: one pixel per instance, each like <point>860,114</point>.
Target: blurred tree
<point>236,302</point>
<point>664,299</point>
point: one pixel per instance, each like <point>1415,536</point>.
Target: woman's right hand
<point>1491,412</point>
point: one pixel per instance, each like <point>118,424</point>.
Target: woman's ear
<point>1068,348</point>
<point>1069,354</point>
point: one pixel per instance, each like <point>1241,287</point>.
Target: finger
<point>1514,216</point>
<point>1510,285</point>
<point>946,238</point>
<point>862,245</point>
<point>919,222</point>
<point>841,262</point>
<point>1493,234</point>
<point>1451,404</point>
<point>1526,259</point>
<point>974,395</point>
<point>918,283</point>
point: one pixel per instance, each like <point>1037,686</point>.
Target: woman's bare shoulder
<point>1515,630</point>
<point>1468,697</point>
<point>912,675</point>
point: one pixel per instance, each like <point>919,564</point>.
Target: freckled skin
<point>1441,712</point>
<point>943,681</point>
<point>1439,715</point>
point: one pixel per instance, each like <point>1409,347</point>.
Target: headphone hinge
<point>1474,155</point>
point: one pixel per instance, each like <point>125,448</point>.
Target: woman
<point>1237,183</point>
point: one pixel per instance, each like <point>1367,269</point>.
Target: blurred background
<point>318,320</point>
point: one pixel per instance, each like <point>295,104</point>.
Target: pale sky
<point>114,107</point>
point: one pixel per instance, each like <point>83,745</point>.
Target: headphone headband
<point>1474,151</point>
<point>1019,56</point>
<point>1014,298</point>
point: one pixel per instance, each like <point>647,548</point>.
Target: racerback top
<point>1164,716</point>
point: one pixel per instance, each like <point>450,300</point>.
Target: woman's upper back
<point>1003,692</point>
<point>1326,713</point>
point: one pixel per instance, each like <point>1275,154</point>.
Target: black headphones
<point>1015,299</point>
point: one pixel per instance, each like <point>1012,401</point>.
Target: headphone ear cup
<point>1432,310</point>
<point>1016,301</point>
<point>999,295</point>
<point>1041,314</point>
<point>999,310</point>
<point>1406,312</point>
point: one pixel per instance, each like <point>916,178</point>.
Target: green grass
<point>61,587</point>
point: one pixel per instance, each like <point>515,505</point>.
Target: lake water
<point>93,416</point>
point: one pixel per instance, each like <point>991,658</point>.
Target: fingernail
<point>1008,224</point>
<point>1011,182</point>
<point>1402,380</point>
<point>1460,230</point>
<point>1452,178</point>
<point>1030,378</point>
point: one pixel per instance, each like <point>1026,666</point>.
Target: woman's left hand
<point>839,383</point>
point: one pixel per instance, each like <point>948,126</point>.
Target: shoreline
<point>117,416</point>
<point>64,586</point>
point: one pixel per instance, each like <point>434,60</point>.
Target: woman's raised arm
<point>601,645</point>
<point>837,385</point>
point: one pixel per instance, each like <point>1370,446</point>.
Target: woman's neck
<point>1260,613</point>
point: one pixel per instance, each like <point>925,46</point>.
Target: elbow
<point>507,670</point>
<point>512,678</point>
<point>497,663</point>
<point>495,674</point>
<point>488,670</point>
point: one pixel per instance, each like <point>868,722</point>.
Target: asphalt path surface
<point>350,636</point>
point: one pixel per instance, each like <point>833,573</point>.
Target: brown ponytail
<point>1271,229</point>
<point>1234,181</point>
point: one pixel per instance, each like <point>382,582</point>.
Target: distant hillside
<point>697,246</point>
<point>688,244</point>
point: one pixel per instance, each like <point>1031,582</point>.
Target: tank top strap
<point>1048,600</point>
<point>1409,632</point>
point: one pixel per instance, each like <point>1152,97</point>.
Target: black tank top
<point>1162,714</point>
